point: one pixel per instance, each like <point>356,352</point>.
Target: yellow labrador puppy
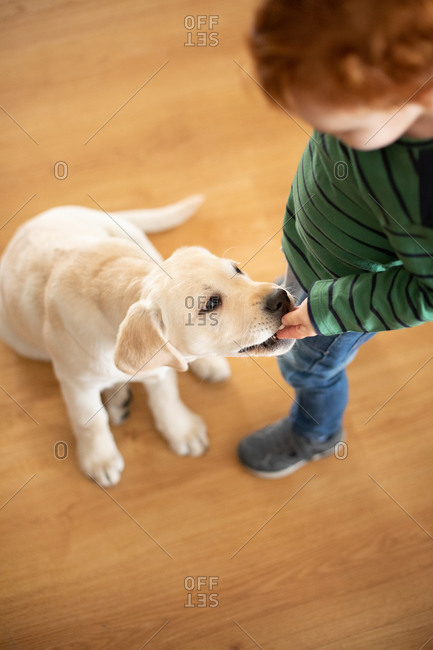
<point>87,291</point>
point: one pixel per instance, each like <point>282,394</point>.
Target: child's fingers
<point>297,324</point>
<point>286,333</point>
<point>292,317</point>
<point>292,332</point>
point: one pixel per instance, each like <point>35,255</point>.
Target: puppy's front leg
<point>211,369</point>
<point>97,453</point>
<point>184,430</point>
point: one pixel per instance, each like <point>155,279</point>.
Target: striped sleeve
<point>400,296</point>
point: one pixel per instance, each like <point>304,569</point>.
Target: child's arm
<point>401,296</point>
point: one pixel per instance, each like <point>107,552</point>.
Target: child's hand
<point>297,323</point>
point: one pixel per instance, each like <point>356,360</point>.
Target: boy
<point>358,228</point>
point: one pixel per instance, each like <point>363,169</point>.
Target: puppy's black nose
<point>279,301</point>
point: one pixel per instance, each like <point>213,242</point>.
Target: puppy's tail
<point>169,216</point>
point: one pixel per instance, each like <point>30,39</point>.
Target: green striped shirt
<point>358,234</point>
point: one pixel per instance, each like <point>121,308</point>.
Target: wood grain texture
<point>340,555</point>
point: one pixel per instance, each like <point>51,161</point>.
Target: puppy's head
<point>198,305</point>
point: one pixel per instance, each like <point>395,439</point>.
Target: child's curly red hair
<point>345,52</point>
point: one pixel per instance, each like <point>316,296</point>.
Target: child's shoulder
<point>393,182</point>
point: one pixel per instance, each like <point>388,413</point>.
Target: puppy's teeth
<point>281,327</point>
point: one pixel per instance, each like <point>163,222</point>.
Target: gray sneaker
<point>276,451</point>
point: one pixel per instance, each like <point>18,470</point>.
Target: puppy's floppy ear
<point>141,345</point>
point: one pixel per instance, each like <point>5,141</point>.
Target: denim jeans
<point>316,368</point>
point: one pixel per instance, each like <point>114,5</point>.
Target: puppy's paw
<point>212,369</point>
<point>117,402</point>
<point>191,437</point>
<point>105,470</point>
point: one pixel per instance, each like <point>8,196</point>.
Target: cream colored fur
<point>89,292</point>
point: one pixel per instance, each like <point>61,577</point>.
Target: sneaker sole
<point>292,468</point>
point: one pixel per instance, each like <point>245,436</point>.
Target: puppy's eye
<point>238,270</point>
<point>213,303</point>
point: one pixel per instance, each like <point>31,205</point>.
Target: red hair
<point>345,52</point>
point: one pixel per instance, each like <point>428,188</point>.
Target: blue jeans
<point>316,368</point>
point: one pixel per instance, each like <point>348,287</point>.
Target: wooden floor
<point>194,553</point>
